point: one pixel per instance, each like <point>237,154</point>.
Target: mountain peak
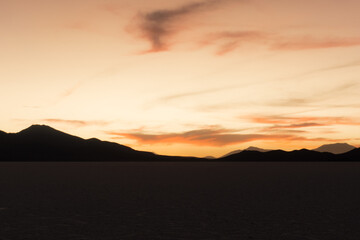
<point>45,133</point>
<point>336,148</point>
<point>252,148</point>
<point>44,143</point>
<point>38,127</point>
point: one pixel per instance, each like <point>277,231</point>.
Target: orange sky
<point>184,77</point>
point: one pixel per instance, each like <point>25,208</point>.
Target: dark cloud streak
<point>157,27</point>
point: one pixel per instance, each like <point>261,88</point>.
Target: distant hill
<point>251,148</point>
<point>280,155</point>
<point>336,148</point>
<point>302,155</point>
<point>351,155</point>
<point>43,143</point>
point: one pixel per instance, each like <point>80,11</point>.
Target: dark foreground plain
<point>103,201</point>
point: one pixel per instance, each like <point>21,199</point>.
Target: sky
<point>191,78</point>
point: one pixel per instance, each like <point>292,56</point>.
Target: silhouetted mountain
<point>336,148</point>
<point>43,143</point>
<point>2,134</point>
<point>251,148</point>
<point>292,156</point>
<point>353,155</point>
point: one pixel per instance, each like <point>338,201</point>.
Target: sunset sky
<point>184,77</point>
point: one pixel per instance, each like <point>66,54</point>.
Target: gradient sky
<point>184,77</point>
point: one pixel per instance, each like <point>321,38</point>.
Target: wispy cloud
<point>302,127</point>
<point>77,123</point>
<point>344,86</point>
<point>311,100</point>
<point>195,93</point>
<point>311,43</point>
<point>229,41</point>
<point>216,137</point>
<point>298,125</point>
<point>159,26</point>
<point>280,122</point>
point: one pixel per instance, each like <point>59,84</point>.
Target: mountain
<point>43,143</point>
<point>280,155</point>
<point>352,155</point>
<point>303,155</point>
<point>251,148</point>
<point>336,148</point>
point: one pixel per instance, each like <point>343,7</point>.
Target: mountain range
<point>336,148</point>
<point>44,143</point>
<point>251,148</point>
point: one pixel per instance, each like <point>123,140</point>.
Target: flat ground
<point>103,201</point>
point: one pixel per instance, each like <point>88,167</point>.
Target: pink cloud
<point>216,137</point>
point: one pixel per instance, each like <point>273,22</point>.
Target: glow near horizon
<point>197,78</point>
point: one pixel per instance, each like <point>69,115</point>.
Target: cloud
<point>78,123</point>
<point>195,93</point>
<point>330,68</point>
<point>216,137</point>
<point>310,43</point>
<point>228,41</point>
<point>298,125</point>
<point>70,90</point>
<point>279,122</point>
<point>332,93</point>
<point>159,26</point>
<point>326,69</point>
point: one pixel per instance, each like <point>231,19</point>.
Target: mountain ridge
<point>336,148</point>
<point>44,143</point>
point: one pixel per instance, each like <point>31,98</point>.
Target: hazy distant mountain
<point>292,156</point>
<point>43,143</point>
<point>335,148</point>
<point>280,155</point>
<point>251,148</point>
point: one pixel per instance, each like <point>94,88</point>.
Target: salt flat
<point>179,200</point>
